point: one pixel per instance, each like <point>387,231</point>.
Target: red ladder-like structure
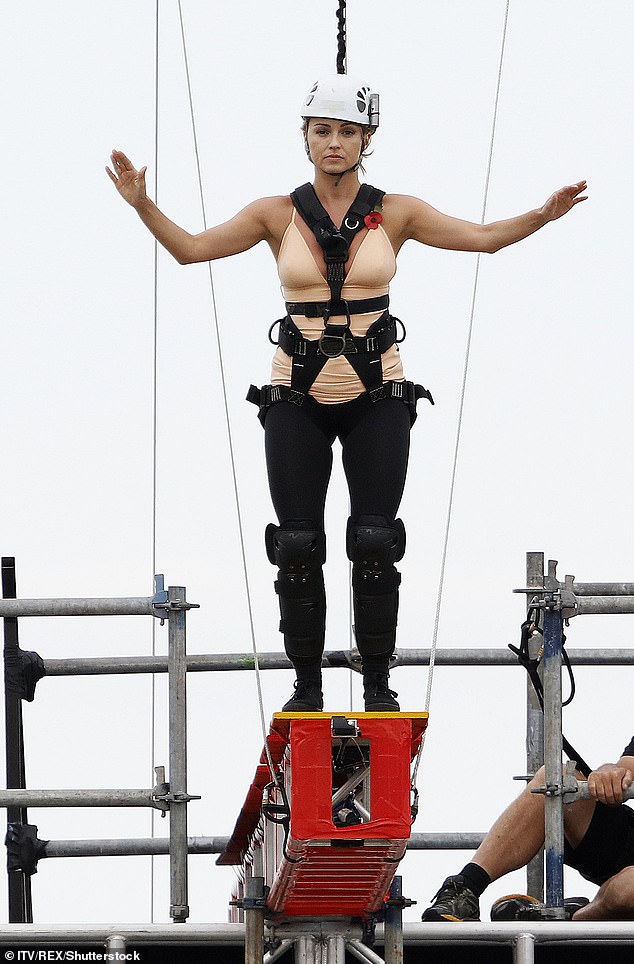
<point>328,833</point>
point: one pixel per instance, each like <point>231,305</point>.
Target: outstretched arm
<point>240,233</point>
<point>423,223</point>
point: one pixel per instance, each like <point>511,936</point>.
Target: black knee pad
<point>374,544</point>
<point>297,548</point>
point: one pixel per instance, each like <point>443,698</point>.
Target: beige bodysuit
<point>369,276</point>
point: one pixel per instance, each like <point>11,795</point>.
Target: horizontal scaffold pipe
<point>583,793</point>
<point>502,932</point>
<point>603,588</point>
<point>507,932</point>
<point>131,847</point>
<point>603,605</point>
<point>79,798</point>
<point>445,841</point>
<point>124,606</point>
<point>67,934</point>
<point>229,662</point>
<point>155,846</point>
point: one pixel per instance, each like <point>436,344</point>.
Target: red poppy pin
<point>372,220</point>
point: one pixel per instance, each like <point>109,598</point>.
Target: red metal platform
<point>335,850</point>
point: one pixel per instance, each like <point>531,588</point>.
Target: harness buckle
<point>371,344</point>
<point>332,345</point>
<point>301,347</point>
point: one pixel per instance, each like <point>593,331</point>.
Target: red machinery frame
<point>311,865</point>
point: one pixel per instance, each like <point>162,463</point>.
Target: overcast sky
<point>545,459</point>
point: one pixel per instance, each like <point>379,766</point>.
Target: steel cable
<point>223,383</point>
<point>463,390</point>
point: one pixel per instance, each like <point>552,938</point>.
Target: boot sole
<point>302,709</point>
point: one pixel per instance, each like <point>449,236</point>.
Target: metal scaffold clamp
<point>554,596</point>
<point>568,789</point>
<point>162,605</point>
<point>162,796</point>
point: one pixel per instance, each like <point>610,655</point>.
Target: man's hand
<point>608,783</point>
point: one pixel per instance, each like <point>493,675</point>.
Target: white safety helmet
<point>340,97</point>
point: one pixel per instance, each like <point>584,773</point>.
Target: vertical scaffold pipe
<point>306,950</point>
<point>534,723</point>
<point>553,802</point>
<point>19,885</point>
<point>335,948</point>
<point>394,924</point>
<point>524,950</point>
<point>253,920</point>
<point>177,669</point>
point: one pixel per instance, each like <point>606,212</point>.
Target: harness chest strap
<point>363,352</point>
<point>335,244</point>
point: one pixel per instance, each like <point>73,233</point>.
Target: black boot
<point>378,697</point>
<point>307,697</point>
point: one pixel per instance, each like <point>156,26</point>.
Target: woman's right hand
<point>129,182</point>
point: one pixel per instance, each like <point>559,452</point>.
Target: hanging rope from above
<point>223,385</point>
<point>342,54</point>
<point>487,180</point>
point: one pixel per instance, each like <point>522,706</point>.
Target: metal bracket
<point>159,599</point>
<point>162,606</point>
<point>161,793</point>
<point>401,902</point>
<point>252,903</point>
<point>554,595</point>
<point>569,788</point>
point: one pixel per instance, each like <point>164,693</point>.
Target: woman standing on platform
<point>337,371</point>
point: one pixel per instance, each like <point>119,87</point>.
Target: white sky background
<point>545,461</point>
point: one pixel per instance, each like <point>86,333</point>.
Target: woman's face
<point>334,146</point>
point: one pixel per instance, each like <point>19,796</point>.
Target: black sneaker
<point>454,901</point>
<point>307,698</point>
<point>378,698</point>
<point>523,907</point>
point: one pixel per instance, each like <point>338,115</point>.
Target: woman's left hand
<point>563,201</point>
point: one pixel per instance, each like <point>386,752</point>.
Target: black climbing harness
<point>363,352</point>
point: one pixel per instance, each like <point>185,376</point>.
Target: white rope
<point>474,293</point>
<point>226,408</point>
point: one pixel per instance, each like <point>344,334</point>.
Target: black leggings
<point>375,444</point>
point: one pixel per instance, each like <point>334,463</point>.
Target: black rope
<point>341,38</point>
<point>531,666</point>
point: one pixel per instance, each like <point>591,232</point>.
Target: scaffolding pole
<point>236,662</point>
<point>19,883</point>
<point>168,605</point>
<point>534,723</point>
<point>178,797</point>
<point>553,749</point>
<point>394,923</point>
<point>128,606</point>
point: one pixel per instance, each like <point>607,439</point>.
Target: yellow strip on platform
<point>349,715</point>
